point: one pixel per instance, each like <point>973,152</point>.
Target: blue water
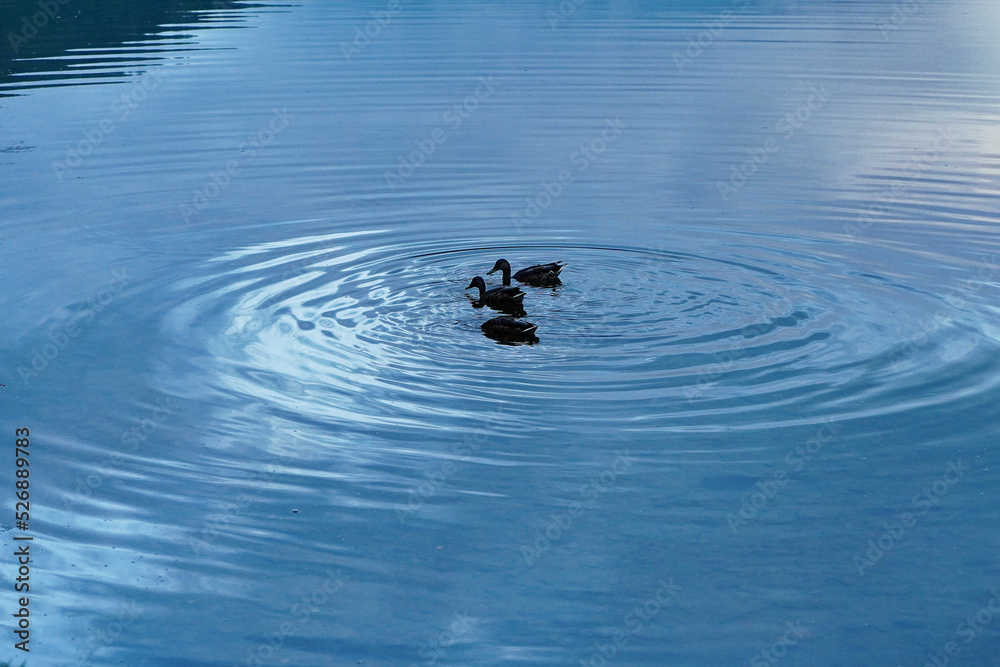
<point>759,423</point>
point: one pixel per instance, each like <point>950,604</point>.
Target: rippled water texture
<point>758,423</point>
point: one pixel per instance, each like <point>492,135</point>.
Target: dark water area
<point>63,42</point>
<point>758,424</point>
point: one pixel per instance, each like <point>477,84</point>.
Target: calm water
<point>759,425</point>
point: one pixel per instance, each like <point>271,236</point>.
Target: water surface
<point>759,421</point>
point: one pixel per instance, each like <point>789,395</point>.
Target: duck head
<point>501,265</point>
<point>479,283</point>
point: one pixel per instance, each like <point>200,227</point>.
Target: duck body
<point>507,299</point>
<point>539,275</point>
<point>509,330</point>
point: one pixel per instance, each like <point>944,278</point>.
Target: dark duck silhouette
<point>510,331</point>
<point>505,299</point>
<point>539,275</point>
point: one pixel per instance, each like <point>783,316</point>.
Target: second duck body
<point>499,298</point>
<point>539,275</point>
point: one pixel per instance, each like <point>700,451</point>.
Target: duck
<point>507,299</point>
<point>539,275</point>
<point>509,330</point>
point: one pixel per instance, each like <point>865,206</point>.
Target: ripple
<point>345,329</point>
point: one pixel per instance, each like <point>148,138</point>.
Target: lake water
<point>760,421</point>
